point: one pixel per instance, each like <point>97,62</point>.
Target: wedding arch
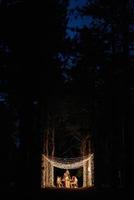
<point>48,164</point>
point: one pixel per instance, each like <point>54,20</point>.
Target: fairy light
<point>49,163</point>
<point>68,163</point>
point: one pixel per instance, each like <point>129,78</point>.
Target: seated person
<point>74,182</point>
<point>59,182</point>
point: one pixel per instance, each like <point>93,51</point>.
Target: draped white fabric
<point>68,163</point>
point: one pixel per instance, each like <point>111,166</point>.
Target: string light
<point>49,163</point>
<point>68,163</point>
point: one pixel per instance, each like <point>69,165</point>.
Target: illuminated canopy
<point>68,163</point>
<point>49,163</point>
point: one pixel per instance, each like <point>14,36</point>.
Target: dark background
<point>47,57</point>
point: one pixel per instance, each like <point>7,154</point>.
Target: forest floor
<point>71,194</point>
<point>83,193</point>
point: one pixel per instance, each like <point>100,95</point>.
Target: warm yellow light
<point>67,163</point>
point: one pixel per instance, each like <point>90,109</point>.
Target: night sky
<point>75,20</point>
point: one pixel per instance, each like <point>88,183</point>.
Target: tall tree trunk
<point>53,142</point>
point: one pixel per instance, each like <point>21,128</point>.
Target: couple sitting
<point>67,181</point>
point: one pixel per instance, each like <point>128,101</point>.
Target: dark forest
<point>69,83</point>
